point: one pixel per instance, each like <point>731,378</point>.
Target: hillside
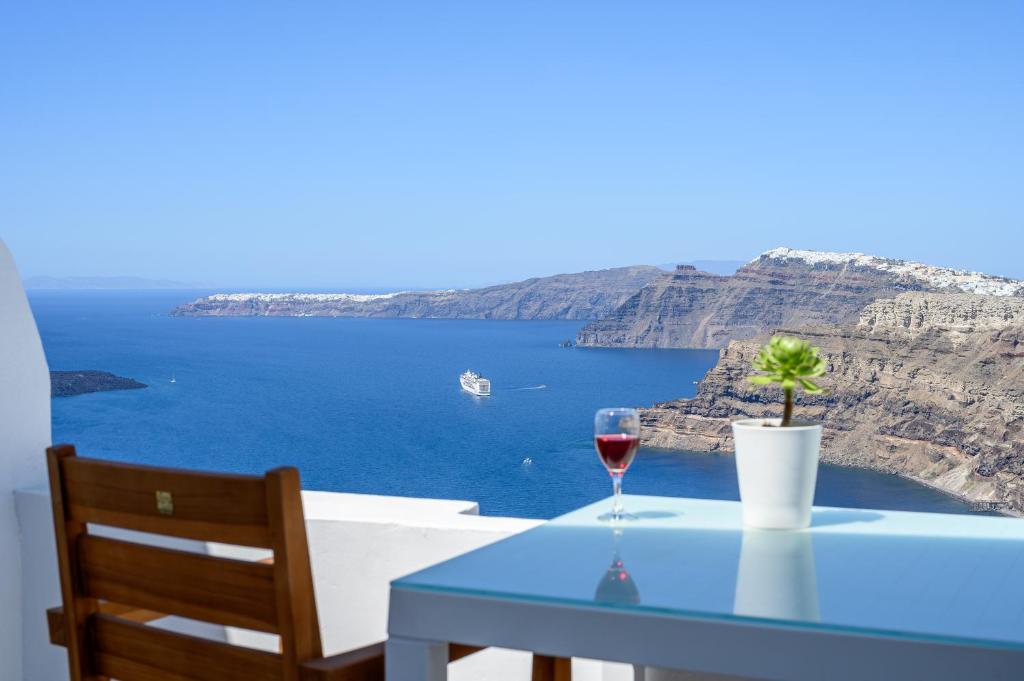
<point>584,295</point>
<point>781,288</point>
<point>928,386</point>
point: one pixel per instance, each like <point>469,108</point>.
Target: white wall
<point>40,586</point>
<point>24,435</point>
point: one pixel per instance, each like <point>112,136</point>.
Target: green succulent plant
<point>791,363</point>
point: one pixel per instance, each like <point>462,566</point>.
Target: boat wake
<point>531,387</point>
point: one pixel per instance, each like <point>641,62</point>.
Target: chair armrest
<point>362,664</point>
<point>55,623</point>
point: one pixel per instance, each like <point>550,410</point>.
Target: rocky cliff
<point>781,288</point>
<point>928,386</point>
<point>70,383</point>
<point>584,295</point>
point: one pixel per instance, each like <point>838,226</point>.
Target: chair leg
<point>551,668</point>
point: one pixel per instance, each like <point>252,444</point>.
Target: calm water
<point>374,405</point>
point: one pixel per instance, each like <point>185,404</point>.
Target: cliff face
<point>584,295</point>
<point>951,313</point>
<point>781,288</point>
<point>928,386</point>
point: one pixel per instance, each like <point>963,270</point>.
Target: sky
<point>421,144</point>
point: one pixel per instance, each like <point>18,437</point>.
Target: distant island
<point>70,383</point>
<point>103,284</point>
<point>582,295</point>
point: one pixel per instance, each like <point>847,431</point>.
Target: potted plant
<point>777,459</point>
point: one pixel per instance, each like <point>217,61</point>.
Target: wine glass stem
<point>617,509</point>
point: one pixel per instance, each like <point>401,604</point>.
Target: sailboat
<point>173,379</point>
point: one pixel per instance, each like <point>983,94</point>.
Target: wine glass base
<point>622,516</point>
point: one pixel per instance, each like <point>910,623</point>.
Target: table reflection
<point>616,585</point>
<point>776,577</point>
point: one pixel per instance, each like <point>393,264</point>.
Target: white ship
<point>473,382</point>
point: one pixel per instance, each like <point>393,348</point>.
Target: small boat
<point>473,382</point>
<point>173,379</point>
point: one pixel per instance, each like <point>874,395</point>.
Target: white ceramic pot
<point>777,469</point>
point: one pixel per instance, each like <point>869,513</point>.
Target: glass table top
<point>912,575</point>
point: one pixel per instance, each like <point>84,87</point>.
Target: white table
<point>862,595</point>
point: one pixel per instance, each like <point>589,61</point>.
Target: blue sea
<point>374,405</point>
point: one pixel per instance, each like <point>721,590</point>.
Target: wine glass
<point>617,438</point>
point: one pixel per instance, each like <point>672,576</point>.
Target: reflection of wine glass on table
<point>617,586</point>
<point>617,439</point>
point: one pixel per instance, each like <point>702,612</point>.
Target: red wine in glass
<point>617,439</point>
<point>617,450</point>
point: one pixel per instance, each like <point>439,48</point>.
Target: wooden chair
<point>112,587</point>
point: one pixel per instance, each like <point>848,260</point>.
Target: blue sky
<point>447,144</point>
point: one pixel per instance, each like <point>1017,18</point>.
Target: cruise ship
<point>473,382</point>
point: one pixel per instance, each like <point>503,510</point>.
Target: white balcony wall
<point>24,434</point>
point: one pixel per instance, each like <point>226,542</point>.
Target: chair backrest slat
<point>253,511</point>
<point>296,605</point>
<point>129,651</point>
<point>231,509</point>
<point>229,592</point>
